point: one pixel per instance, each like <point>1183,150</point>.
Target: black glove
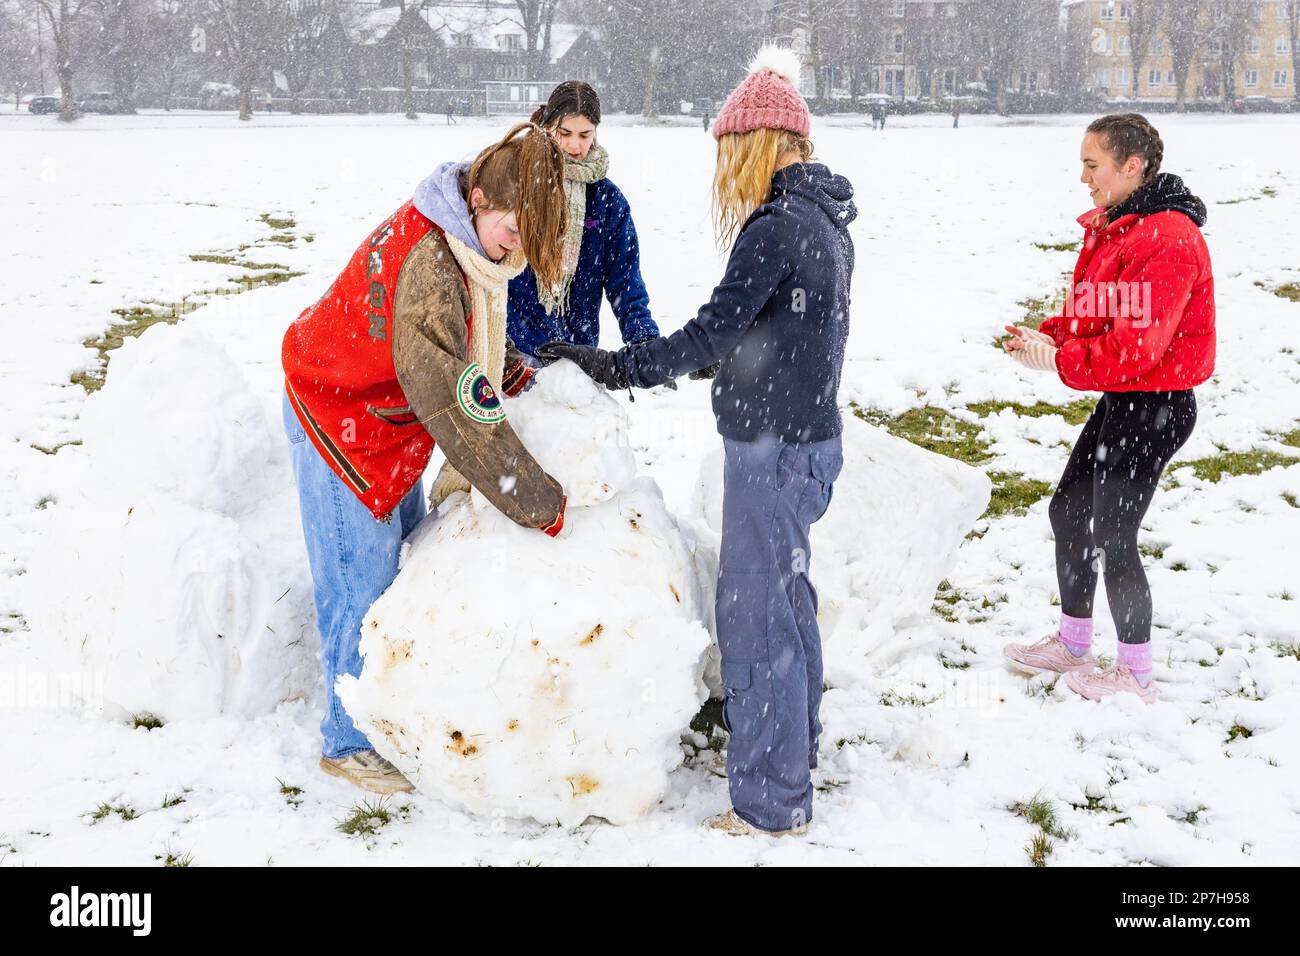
<point>598,364</point>
<point>707,372</point>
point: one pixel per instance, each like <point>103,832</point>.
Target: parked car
<point>44,104</point>
<point>101,102</point>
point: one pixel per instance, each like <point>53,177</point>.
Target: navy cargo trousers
<point>773,492</point>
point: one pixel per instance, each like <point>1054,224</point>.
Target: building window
<point>1250,79</point>
<point>1125,12</point>
<point>899,8</point>
<point>1252,48</point>
<point>949,81</point>
<point>898,41</point>
<point>1279,79</point>
<point>462,39</point>
<point>1170,79</point>
<point>1107,12</point>
<point>1284,10</point>
<point>1029,81</point>
<point>1153,78</point>
<point>1216,46</point>
<point>422,72</point>
<point>1103,79</point>
<point>1283,46</point>
<point>1125,47</point>
<point>1121,78</point>
<point>1157,46</point>
<point>510,41</point>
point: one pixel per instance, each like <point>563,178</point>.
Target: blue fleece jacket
<point>779,319</point>
<point>609,263</point>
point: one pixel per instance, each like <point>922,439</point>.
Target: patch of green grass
<point>1013,493</point>
<point>1227,464</point>
<point>1058,246</point>
<point>1286,650</point>
<point>170,800</point>
<point>276,223</point>
<point>223,260</point>
<point>366,819</point>
<point>263,278</point>
<point>1042,814</point>
<point>169,857</point>
<point>1155,550</point>
<point>1237,731</point>
<point>891,699</point>
<point>132,323</point>
<point>933,429</point>
<point>146,720</point>
<point>104,810</point>
<point>1075,413</point>
<point>1039,849</point>
<point>945,600</point>
<point>1289,291</point>
<point>1269,191</point>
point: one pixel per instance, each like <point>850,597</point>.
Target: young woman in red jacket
<point>1138,326</point>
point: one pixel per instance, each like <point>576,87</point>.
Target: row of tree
<point>655,52</point>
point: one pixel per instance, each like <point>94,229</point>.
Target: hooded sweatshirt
<point>438,198</point>
<point>778,320</point>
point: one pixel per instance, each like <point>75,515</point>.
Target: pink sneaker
<point>1113,680</point>
<point>1049,654</point>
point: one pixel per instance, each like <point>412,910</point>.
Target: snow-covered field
<point>929,741</point>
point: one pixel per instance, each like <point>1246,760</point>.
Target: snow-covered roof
<point>483,23</point>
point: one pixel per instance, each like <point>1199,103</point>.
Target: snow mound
<point>175,579</point>
<point>898,514</point>
<point>511,674</point>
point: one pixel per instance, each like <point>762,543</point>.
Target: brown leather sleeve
<point>430,345</point>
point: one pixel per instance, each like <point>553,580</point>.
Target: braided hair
<point>1131,134</point>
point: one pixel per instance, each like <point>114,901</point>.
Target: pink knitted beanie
<point>767,99</point>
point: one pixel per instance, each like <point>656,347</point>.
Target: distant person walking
<point>706,121</point>
<point>956,116</point>
<point>451,114</point>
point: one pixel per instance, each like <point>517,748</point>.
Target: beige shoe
<point>367,770</point>
<point>732,825</point>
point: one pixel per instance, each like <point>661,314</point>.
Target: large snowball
<point>514,674</point>
<point>898,514</point>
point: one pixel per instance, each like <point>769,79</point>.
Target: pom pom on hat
<point>768,98</point>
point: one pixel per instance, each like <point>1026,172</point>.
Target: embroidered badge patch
<point>478,399</point>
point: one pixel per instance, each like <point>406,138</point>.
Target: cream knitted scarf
<point>488,283</point>
<point>577,174</point>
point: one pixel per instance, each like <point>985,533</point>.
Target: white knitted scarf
<point>488,289</point>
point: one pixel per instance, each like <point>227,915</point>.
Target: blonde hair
<point>743,179</point>
<point>524,172</point>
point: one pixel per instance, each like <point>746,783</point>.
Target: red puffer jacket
<point>1140,315</point>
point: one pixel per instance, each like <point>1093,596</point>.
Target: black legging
<point>1107,487</point>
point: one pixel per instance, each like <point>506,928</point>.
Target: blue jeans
<point>353,559</point>
<point>773,492</point>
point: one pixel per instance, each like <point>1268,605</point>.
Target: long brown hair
<point>524,173</point>
<point>743,179</point>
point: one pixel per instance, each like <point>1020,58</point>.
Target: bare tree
<point>819,22</point>
<point>65,20</point>
<point>121,25</point>
<point>1188,29</point>
<point>247,29</point>
<point>1144,21</point>
<point>1293,16</point>
<point>1230,22</point>
<point>19,57</point>
<point>173,36</point>
<point>998,31</point>
<point>301,35</point>
<point>536,18</point>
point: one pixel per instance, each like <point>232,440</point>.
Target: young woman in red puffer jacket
<point>1138,326</point>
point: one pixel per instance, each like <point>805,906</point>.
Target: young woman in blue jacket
<point>777,324</point>
<point>601,254</point>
